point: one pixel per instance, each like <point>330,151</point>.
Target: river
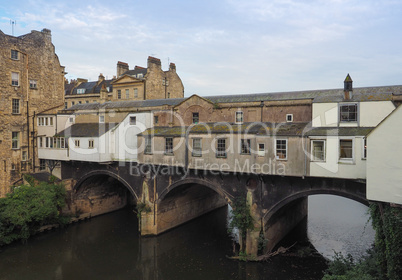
<point>109,247</point>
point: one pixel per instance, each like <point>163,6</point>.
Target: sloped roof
<point>339,131</point>
<point>278,129</point>
<point>127,104</point>
<point>86,130</point>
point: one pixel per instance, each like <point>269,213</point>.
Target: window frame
<point>356,113</point>
<point>281,149</point>
<point>245,146</point>
<point>15,82</point>
<point>221,148</point>
<point>346,159</point>
<point>15,140</point>
<point>313,156</point>
<point>119,94</point>
<point>16,53</point>
<point>42,164</point>
<point>91,143</point>
<point>148,144</point>
<point>14,105</point>
<point>168,145</point>
<point>101,119</point>
<point>240,113</point>
<point>287,117</point>
<point>77,143</point>
<point>261,153</point>
<point>135,92</point>
<point>156,120</point>
<point>196,117</point>
<point>33,84</point>
<point>133,120</point>
<point>196,150</point>
<point>127,93</point>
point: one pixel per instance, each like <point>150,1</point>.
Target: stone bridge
<point>171,196</point>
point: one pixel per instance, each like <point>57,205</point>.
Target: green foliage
<point>142,207</point>
<point>241,218</point>
<point>382,262</point>
<point>27,208</point>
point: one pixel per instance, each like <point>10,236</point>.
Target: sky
<point>224,46</point>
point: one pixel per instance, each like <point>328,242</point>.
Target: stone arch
<point>198,181</point>
<point>108,173</point>
<point>282,203</point>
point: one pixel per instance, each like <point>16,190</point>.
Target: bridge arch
<point>94,173</point>
<point>288,199</point>
<point>188,181</point>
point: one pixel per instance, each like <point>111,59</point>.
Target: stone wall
<point>37,62</point>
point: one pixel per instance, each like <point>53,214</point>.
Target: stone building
<point>32,81</point>
<point>139,83</point>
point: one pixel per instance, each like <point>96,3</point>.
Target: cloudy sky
<point>224,46</point>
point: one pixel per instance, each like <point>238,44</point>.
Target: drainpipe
<point>305,156</point>
<point>33,144</point>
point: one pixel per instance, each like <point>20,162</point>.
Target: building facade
<point>139,83</point>
<point>32,81</point>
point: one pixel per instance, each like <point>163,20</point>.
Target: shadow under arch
<point>108,173</point>
<point>197,181</point>
<point>279,205</point>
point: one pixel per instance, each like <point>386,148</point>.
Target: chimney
<point>172,67</point>
<point>154,62</point>
<point>121,68</point>
<point>47,33</point>
<point>101,78</point>
<point>347,88</point>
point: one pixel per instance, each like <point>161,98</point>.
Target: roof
<point>127,104</point>
<point>279,129</point>
<point>339,131</point>
<point>135,71</point>
<point>86,130</point>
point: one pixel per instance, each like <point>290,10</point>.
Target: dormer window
<point>80,90</point>
<point>348,112</point>
<point>140,75</point>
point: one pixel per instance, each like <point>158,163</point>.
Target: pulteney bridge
<point>170,197</point>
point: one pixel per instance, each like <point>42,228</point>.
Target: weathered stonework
<point>39,86</point>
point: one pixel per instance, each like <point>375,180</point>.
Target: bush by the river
<point>29,207</point>
<point>382,262</point>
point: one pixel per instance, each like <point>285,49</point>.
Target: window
<point>14,54</point>
<point>136,92</point>
<point>33,84</point>
<point>169,145</point>
<point>15,142</point>
<point>261,150</point>
<point>196,117</point>
<point>101,119</point>
<point>140,75</point>
<point>24,156</point>
<point>65,105</point>
<point>289,117</point>
<point>91,144</point>
<point>348,113</point>
<point>50,120</point>
<point>16,106</point>
<point>364,153</point>
<point>245,146</point>
<point>86,101</point>
<point>133,120</point>
<point>80,90</point>
<point>40,139</point>
<point>79,102</point>
<point>47,142</point>
<point>42,164</point>
<point>197,147</point>
<point>119,94</point>
<point>239,117</point>
<point>318,150</point>
<point>72,103</point>
<point>15,78</point>
<point>71,119</point>
<point>148,145</point>
<point>221,148</point>
<point>346,149</point>
<point>168,95</point>
<point>156,119</point>
<point>46,121</point>
<point>12,166</point>
<point>127,94</point>
<point>77,143</point>
<point>281,149</point>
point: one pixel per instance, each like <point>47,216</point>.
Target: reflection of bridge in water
<point>172,197</point>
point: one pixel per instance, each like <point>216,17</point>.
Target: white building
<point>384,160</point>
<point>340,124</point>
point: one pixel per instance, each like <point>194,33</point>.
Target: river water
<point>109,247</point>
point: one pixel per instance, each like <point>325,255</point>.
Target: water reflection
<point>339,224</point>
<point>109,247</point>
